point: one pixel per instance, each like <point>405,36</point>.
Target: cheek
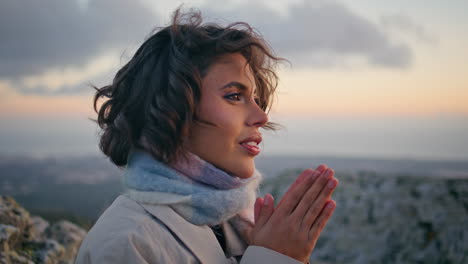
<point>225,116</point>
<point>227,131</point>
<point>227,119</point>
<point>228,128</point>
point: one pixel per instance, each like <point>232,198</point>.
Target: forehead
<point>229,68</point>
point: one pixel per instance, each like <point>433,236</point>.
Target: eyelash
<point>230,95</point>
<point>257,100</point>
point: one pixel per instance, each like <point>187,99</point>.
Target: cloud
<point>321,29</point>
<point>47,46</point>
<point>68,79</point>
<point>405,24</point>
<point>37,35</point>
<point>6,90</point>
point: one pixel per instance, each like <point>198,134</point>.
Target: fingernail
<point>266,201</point>
<point>330,205</point>
<point>331,183</point>
<point>326,173</point>
<point>322,167</point>
<point>314,174</point>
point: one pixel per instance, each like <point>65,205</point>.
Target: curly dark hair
<point>153,98</point>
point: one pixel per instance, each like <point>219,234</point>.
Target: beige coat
<point>131,232</point>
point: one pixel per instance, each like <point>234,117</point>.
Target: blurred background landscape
<point>377,90</point>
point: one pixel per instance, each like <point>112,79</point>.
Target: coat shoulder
<point>127,233</point>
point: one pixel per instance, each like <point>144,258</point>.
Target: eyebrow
<point>239,85</point>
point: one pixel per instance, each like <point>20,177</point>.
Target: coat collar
<point>199,239</point>
<point>235,244</point>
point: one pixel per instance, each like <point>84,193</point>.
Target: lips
<point>255,138</point>
<point>250,144</point>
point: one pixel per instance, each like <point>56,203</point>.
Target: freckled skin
<point>236,118</point>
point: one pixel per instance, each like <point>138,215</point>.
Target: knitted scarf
<point>197,190</point>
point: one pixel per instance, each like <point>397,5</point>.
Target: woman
<point>183,119</point>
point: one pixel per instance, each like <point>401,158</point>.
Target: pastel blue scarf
<point>197,190</point>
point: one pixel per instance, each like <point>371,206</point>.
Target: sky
<point>385,78</point>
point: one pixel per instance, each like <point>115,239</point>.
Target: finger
<point>257,207</point>
<point>294,195</point>
<point>300,179</point>
<point>266,210</point>
<point>321,168</point>
<point>295,192</point>
<point>311,195</point>
<point>316,207</point>
<point>319,224</point>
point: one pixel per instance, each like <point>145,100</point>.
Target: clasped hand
<point>294,225</point>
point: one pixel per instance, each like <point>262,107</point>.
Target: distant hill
<point>274,165</point>
<point>77,189</point>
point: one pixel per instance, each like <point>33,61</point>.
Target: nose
<point>257,117</point>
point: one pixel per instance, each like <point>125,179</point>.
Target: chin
<point>245,172</point>
<point>239,167</point>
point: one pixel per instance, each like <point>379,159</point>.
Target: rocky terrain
<point>391,219</point>
<point>31,239</point>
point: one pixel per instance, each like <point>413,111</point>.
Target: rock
<point>51,252</point>
<point>40,225</point>
<point>11,213</point>
<point>13,257</point>
<point>31,239</point>
<point>7,232</point>
<point>67,234</point>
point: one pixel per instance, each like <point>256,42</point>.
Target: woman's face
<point>228,105</point>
